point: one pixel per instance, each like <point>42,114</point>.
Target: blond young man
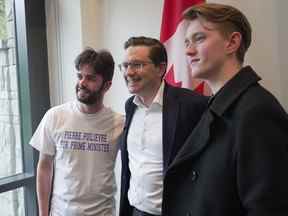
<point>233,163</point>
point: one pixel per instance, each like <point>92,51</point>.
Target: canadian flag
<point>173,30</point>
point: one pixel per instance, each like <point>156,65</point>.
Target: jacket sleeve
<point>262,159</point>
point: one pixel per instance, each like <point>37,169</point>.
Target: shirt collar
<point>158,99</point>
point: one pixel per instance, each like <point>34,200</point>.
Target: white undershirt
<point>144,143</point>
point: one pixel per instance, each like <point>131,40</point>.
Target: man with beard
<point>77,145</point>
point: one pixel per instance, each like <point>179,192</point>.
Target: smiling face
<point>205,49</point>
<point>90,86</point>
<point>145,80</point>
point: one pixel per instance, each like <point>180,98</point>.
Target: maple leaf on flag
<point>173,30</point>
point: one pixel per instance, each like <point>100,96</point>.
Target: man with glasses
<point>159,118</point>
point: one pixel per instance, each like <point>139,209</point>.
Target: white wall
<point>282,30</point>
<point>64,37</point>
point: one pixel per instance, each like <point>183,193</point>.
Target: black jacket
<point>182,110</point>
<point>235,161</point>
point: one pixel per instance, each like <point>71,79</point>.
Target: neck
<point>147,99</point>
<point>91,108</point>
<point>223,76</point>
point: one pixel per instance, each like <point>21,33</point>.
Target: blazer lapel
<point>170,113</point>
<point>196,142</point>
<point>130,109</point>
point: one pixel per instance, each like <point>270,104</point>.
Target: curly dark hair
<point>102,62</point>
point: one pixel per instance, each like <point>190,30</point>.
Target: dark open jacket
<point>182,110</point>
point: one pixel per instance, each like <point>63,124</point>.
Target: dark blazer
<point>182,110</point>
<point>235,161</point>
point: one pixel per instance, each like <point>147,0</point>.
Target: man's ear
<point>162,69</point>
<point>233,42</point>
<point>107,86</point>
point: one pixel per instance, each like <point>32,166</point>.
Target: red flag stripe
<point>172,15</point>
<point>170,77</point>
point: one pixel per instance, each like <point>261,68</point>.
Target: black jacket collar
<point>232,90</point>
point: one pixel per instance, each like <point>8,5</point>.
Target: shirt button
<point>194,175</point>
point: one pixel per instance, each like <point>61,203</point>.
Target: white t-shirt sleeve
<point>42,139</point>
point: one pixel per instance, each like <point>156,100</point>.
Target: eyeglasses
<point>135,66</point>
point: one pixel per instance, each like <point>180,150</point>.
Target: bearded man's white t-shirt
<point>84,147</point>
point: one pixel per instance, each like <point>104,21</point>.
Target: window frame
<point>33,88</point>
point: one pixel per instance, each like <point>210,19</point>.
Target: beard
<point>90,97</point>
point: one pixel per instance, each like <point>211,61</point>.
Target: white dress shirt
<point>144,143</point>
